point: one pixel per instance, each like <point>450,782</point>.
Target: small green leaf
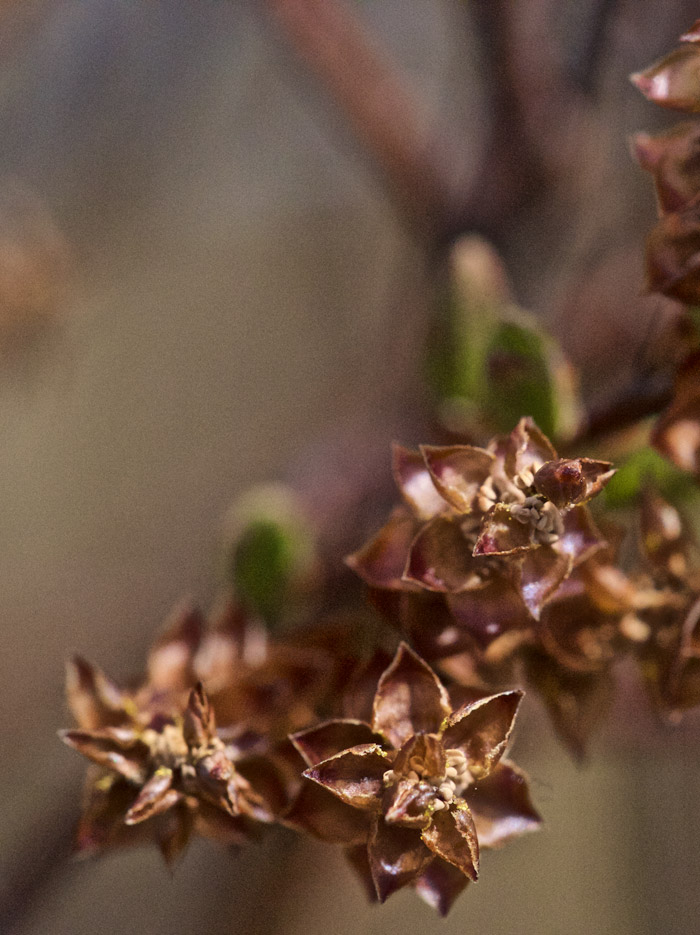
<point>271,553</point>
<point>647,466</point>
<point>493,362</point>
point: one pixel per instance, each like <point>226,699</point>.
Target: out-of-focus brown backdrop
<point>203,271</point>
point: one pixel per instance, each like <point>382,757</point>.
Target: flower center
<point>542,516</point>
<point>445,788</point>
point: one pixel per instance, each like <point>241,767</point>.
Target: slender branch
<point>375,97</point>
<point>636,403</point>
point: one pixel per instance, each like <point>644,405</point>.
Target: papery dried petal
<point>568,481</point>
<point>502,534</point>
<point>458,472</point>
<point>672,256</point>
<point>673,158</point>
<point>676,433</point>
<point>320,813</point>
<point>501,805</point>
<point>354,776</point>
<point>410,698</point>
<point>527,447</point>
<point>359,691</point>
<point>577,702</point>
<point>482,730</point>
<point>440,558</point>
<point>173,832</point>
<point>93,699</point>
<point>489,612</point>
<point>674,81</point>
<point>577,634</point>
<point>198,720</point>
<point>382,560</point>
<point>220,826</point>
<point>665,539</point>
<point>541,573</point>
<point>440,885</point>
<point>332,737</point>
<point>580,538</point>
<point>358,859</point>
<point>693,34</point>
<point>407,803</point>
<point>396,857</point>
<point>416,483</point>
<point>117,748</point>
<point>452,836</point>
<point>107,799</point>
<point>156,796</point>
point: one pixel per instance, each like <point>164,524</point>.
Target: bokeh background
<point>208,270</point>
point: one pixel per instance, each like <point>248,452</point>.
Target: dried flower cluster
<point>491,571</point>
<point>673,246</point>
<point>429,783</point>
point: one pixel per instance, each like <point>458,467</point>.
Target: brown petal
<point>581,538</point>
<point>577,702</point>
<point>381,562</point>
<point>407,803</point>
<point>410,699</point>
<point>358,859</point>
<point>170,661</point>
<point>359,690</point>
<point>440,885</point>
<point>458,472</point>
<point>440,558</point>
<point>501,806</point>
<point>693,34</point>
<point>566,482</point>
<point>452,836</point>
<point>396,857</point>
<point>674,81</point>
<point>672,158</point>
<point>216,782</point>
<point>664,537</point>
<point>489,612</point>
<point>173,832</point>
<point>157,796</point>
<point>107,798</point>
<point>577,634</point>
<point>527,446</point>
<point>220,826</point>
<point>502,534</point>
<point>332,737</point>
<point>117,748</point>
<point>317,811</point>
<point>540,574</point>
<point>416,483</point>
<point>93,699</point>
<point>672,255</point>
<point>198,725</point>
<point>355,776</point>
<point>481,730</point>
<point>676,433</point>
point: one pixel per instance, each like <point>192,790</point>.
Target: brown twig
<point>635,404</point>
<point>374,96</point>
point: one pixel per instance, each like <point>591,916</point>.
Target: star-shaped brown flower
<point>417,790</point>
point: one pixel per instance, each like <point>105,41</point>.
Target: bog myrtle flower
<point>416,792</point>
